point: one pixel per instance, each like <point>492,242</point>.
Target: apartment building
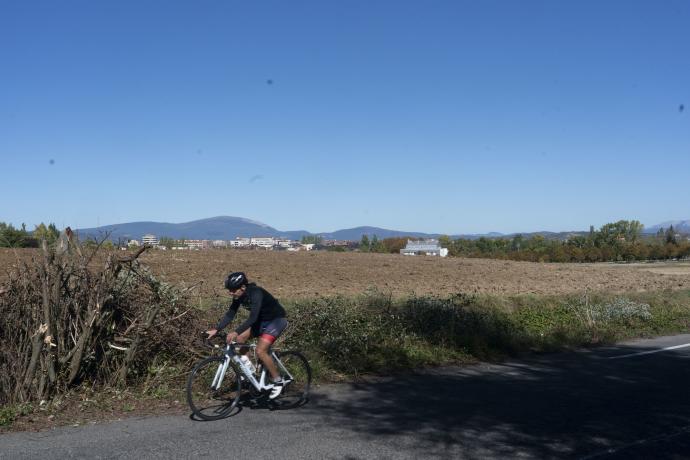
<point>151,240</point>
<point>239,242</point>
<point>197,244</point>
<point>263,242</point>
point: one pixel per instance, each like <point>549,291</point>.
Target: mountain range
<point>228,228</point>
<point>681,226</point>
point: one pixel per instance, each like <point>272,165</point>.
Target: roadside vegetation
<point>74,317</point>
<point>346,337</point>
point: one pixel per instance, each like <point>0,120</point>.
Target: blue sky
<point>444,116</point>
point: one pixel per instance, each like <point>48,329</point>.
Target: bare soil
<point>84,407</point>
<point>292,275</point>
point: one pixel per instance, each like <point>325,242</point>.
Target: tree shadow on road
<point>561,405</point>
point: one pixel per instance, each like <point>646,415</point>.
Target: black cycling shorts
<point>269,330</point>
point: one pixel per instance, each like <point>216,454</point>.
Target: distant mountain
<point>681,226</point>
<point>214,228</point>
<point>355,234</point>
<point>228,228</point>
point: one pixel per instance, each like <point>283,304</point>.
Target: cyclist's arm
<point>256,299</point>
<point>229,315</point>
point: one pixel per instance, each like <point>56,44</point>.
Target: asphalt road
<point>624,402</point>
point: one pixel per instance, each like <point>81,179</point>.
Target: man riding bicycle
<point>266,321</point>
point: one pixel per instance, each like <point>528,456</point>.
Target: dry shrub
<point>71,318</point>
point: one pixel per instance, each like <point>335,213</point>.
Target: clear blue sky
<point>443,116</point>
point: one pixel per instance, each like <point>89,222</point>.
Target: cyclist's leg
<point>270,331</point>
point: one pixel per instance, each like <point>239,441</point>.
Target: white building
<point>151,240</point>
<point>197,244</point>
<point>239,242</point>
<point>424,247</point>
<point>263,242</point>
<point>219,244</point>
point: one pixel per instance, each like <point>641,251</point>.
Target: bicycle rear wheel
<point>296,374</point>
<point>206,402</point>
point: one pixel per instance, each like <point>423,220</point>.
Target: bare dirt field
<point>665,268</point>
<point>308,274</point>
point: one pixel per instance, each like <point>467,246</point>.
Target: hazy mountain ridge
<point>681,226</point>
<point>230,227</point>
<point>214,228</point>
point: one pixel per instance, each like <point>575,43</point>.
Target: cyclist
<point>266,321</point>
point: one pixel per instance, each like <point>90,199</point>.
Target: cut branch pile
<point>70,318</point>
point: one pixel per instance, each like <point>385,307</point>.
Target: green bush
<point>9,413</point>
<point>373,333</point>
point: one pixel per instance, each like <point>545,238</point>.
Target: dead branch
<point>66,322</point>
<point>136,255</point>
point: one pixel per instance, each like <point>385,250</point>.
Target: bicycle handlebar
<point>219,335</point>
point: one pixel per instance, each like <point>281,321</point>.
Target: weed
<point>8,414</point>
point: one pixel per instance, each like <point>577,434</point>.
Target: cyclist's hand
<point>231,337</point>
<point>211,333</point>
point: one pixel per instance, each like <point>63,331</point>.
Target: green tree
<point>634,231</point>
<point>167,242</point>
<point>517,243</point>
<point>670,236</point>
<point>377,245</point>
<point>11,237</point>
<point>312,239</point>
<point>364,244</point>
<point>50,233</point>
<point>394,244</point>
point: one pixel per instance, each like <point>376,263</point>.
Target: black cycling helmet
<point>235,281</point>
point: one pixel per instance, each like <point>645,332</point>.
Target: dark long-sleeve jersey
<point>261,304</point>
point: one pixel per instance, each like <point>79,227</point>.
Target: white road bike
<point>219,383</point>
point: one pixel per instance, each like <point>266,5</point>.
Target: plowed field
<point>307,274</point>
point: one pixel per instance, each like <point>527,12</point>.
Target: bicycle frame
<point>260,384</point>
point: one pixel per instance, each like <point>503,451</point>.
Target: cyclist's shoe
<point>277,389</point>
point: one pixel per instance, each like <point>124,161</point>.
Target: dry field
<point>307,274</point>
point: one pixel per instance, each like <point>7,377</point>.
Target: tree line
<point>11,237</point>
<point>613,242</point>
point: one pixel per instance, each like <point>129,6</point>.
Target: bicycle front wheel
<point>296,373</point>
<point>209,402</point>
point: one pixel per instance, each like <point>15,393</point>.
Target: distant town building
<point>263,242</point>
<point>133,243</point>
<point>334,243</point>
<point>151,240</point>
<point>240,242</point>
<point>429,247</point>
<point>284,243</point>
<point>219,244</point>
<point>197,244</point>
